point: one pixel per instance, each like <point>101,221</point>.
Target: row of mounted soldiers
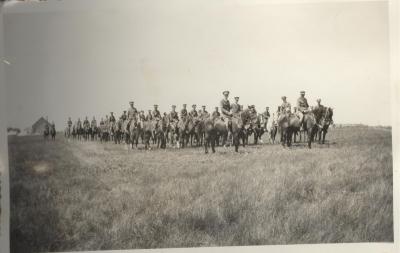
<point>225,112</point>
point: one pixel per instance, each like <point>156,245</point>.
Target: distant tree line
<point>12,129</point>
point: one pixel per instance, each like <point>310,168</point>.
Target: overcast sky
<point>93,61</point>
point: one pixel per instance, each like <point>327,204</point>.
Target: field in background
<point>90,196</point>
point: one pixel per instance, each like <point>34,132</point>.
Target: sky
<point>91,61</point>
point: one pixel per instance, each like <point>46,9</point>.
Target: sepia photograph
<point>180,124</point>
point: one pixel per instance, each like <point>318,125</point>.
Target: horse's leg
<point>323,136</point>
<point>310,137</point>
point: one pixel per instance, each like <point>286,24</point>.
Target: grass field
<point>90,196</point>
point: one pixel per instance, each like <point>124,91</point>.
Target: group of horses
<point>49,131</point>
<point>207,132</point>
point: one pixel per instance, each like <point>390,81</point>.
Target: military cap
<point>283,97</point>
<point>225,92</point>
<point>131,102</point>
<point>318,100</point>
<point>267,107</point>
<point>155,105</point>
<point>216,107</point>
<point>236,97</point>
<point>111,112</point>
<point>302,92</point>
<point>124,111</point>
<point>184,104</point>
<point>193,105</point>
<point>203,106</point>
<point>173,106</point>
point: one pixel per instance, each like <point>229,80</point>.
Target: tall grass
<point>90,196</point>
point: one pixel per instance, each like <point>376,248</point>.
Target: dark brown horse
<point>290,124</point>
<point>214,128</point>
<point>134,132</point>
<point>148,129</point>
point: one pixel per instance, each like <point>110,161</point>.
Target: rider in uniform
<point>86,122</point>
<point>142,117</point>
<point>149,115</point>
<point>204,114</point>
<point>94,122</point>
<point>69,122</point>
<point>132,112</point>
<point>265,116</point>
<point>173,115</point>
<point>236,107</point>
<point>193,113</point>
<point>302,106</point>
<point>112,118</point>
<point>226,114</point>
<point>285,106</point>
<point>79,123</point>
<point>156,113</point>
<point>184,112</point>
<point>124,116</point>
<point>216,113</point>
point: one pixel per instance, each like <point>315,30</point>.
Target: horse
<point>103,133</point>
<point>148,128</point>
<point>126,130</point>
<point>173,132</point>
<point>273,131</point>
<point>53,132</point>
<point>134,133</point>
<point>183,132</point>
<point>74,133</point>
<point>290,123</point>
<point>67,132</point>
<point>86,132</point>
<point>117,131</point>
<point>93,132</point>
<point>46,133</point>
<point>256,129</point>
<point>161,133</point>
<point>79,131</point>
<point>324,122</point>
<point>217,127</point>
<point>199,131</point>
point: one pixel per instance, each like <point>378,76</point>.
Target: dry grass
<point>89,196</point>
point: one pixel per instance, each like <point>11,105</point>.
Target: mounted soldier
<point>79,124</point>
<point>112,118</point>
<point>132,112</point>
<point>285,106</point>
<point>94,122</point>
<point>204,114</point>
<point>156,113</point>
<point>142,117</point>
<point>236,107</point>
<point>149,116</point>
<point>86,123</point>
<point>193,113</point>
<point>265,117</point>
<point>184,112</point>
<point>173,115</point>
<point>215,113</point>
<point>225,105</point>
<point>124,116</point>
<point>69,122</point>
<point>302,106</point>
